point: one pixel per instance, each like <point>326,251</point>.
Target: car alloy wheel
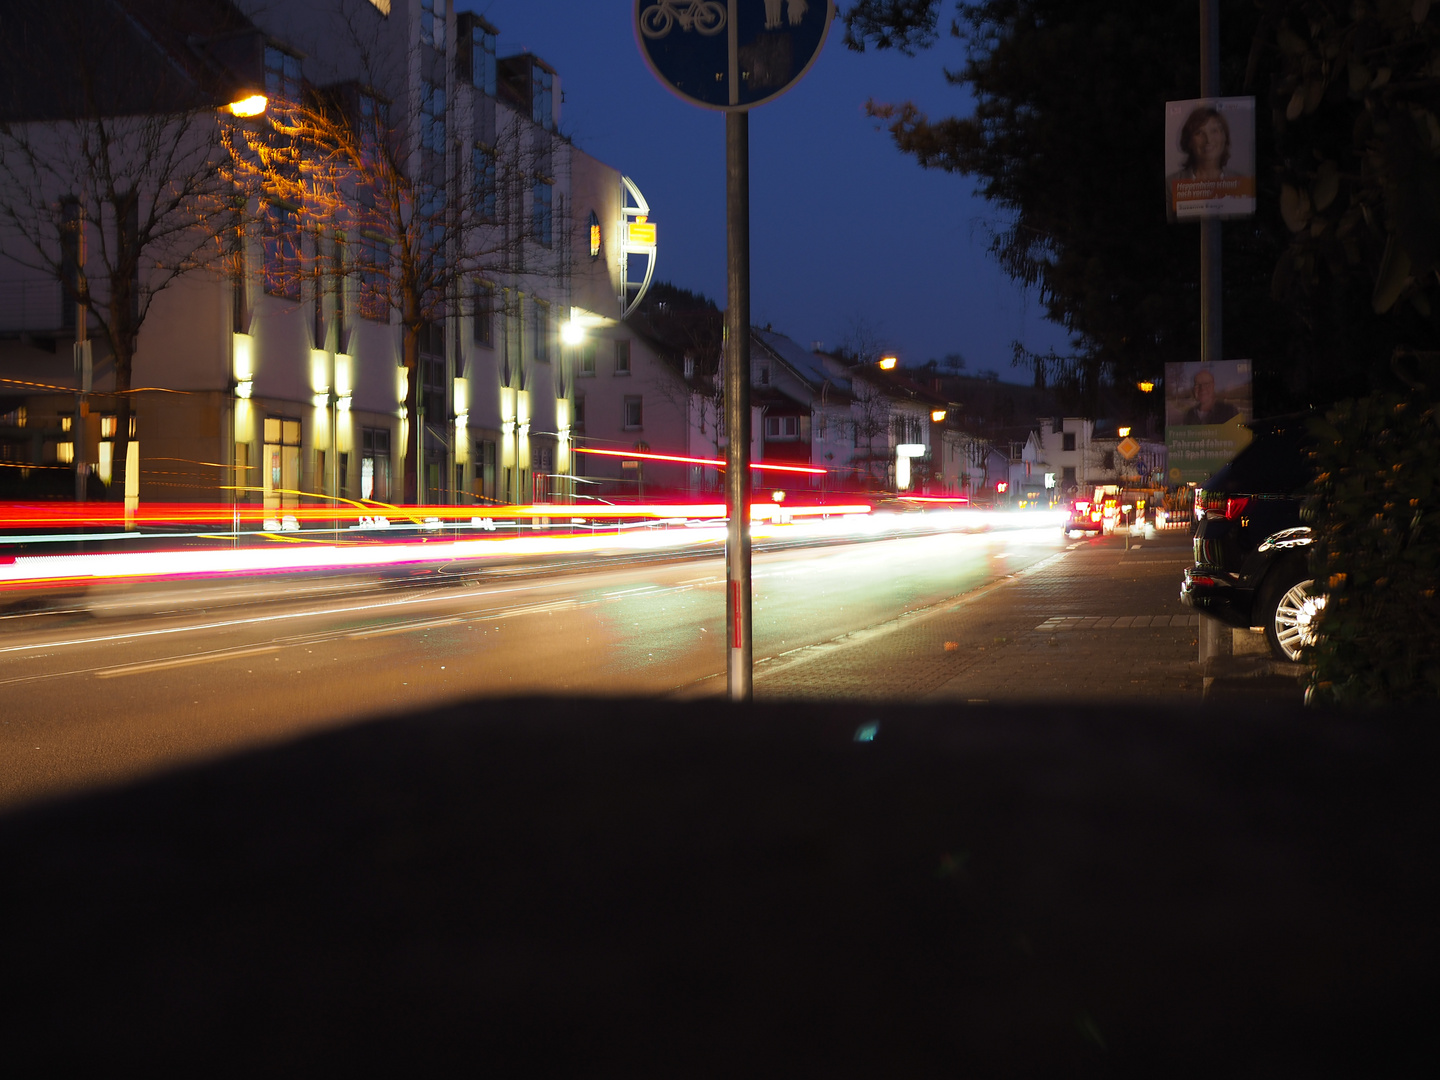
<point>1293,625</point>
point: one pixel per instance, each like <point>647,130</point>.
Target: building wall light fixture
<point>245,107</point>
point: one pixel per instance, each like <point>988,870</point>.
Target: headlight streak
<point>477,617</point>
<point>479,614</point>
<point>807,523</point>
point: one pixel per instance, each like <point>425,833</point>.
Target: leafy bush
<point>1375,510</point>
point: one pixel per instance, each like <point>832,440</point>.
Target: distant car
<point>1085,517</point>
<point>1251,564</point>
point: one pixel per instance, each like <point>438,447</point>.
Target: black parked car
<point>1251,547</point>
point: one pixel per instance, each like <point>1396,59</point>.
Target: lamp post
<point>245,106</point>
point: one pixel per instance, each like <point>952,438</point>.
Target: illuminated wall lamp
<point>243,388</point>
<point>253,105</point>
<point>571,332</point>
<point>887,363</point>
<point>938,415</point>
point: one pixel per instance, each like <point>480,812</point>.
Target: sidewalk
<point>1096,623</point>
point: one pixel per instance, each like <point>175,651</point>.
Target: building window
<point>281,463</point>
<point>1067,441</point>
<point>282,75</point>
<point>341,308</point>
<point>280,243</point>
<point>375,464</point>
<point>542,217</point>
<point>764,374</point>
<point>622,357</point>
<point>432,118</point>
<point>432,24</point>
<point>484,317</point>
<point>634,414</point>
<point>482,163</point>
<point>782,427</point>
<point>482,59</point>
<point>1107,460</point>
<point>374,260</point>
<point>579,412</point>
<point>485,468</point>
<point>594,229</point>
<point>585,359</point>
<point>70,225</point>
<point>542,98</point>
<point>1067,476</point>
<point>542,332</point>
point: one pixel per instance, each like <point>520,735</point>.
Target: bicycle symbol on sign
<point>706,16</point>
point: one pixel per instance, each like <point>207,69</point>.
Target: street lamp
<point>888,362</point>
<point>246,107</point>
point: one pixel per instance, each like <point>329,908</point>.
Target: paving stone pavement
<point>1098,622</point>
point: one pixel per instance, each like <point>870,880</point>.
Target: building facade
<point>414,332</point>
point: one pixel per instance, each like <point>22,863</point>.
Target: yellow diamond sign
<point>1128,448</point>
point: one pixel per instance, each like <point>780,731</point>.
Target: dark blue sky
<point>843,227</point>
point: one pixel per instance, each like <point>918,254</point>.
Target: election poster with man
<point>1206,407</point>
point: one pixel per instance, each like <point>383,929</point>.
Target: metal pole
<point>739,656</point>
<point>83,371</point>
<point>1211,309</point>
<point>1215,637</point>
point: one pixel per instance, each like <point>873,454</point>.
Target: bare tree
<point>863,345</point>
<point>111,178</point>
<point>412,220</point>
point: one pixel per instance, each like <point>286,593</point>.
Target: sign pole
<point>740,654</point>
<point>1215,638</point>
<point>725,55</point>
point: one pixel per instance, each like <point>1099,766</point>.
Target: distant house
<point>1086,454</point>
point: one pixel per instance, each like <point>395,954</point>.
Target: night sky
<point>843,227</point>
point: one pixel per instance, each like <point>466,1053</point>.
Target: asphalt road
<point>133,684</point>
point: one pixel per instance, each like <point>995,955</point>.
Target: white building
<point>280,374</point>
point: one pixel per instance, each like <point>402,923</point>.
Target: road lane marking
<point>403,628</point>
<point>181,661</point>
<point>226,624</point>
<point>1124,622</point>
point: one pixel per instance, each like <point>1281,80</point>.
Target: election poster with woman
<point>1210,158</point>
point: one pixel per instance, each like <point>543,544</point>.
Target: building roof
<point>808,366</point>
<point>69,59</point>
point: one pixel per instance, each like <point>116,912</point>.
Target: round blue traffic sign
<point>731,54</point>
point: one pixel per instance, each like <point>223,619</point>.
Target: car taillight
<point>1235,507</point>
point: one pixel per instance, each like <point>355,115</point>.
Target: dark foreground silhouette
<point>622,888</point>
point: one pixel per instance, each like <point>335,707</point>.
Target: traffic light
<point>1002,486</point>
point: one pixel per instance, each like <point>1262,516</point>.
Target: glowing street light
<point>887,363</point>
<point>253,105</point>
<point>938,415</point>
